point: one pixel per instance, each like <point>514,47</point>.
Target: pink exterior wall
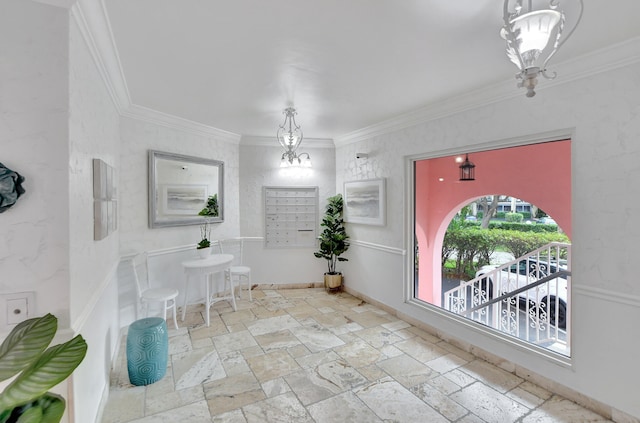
<point>539,174</point>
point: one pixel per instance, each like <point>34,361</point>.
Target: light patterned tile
<point>439,401</point>
<point>326,380</point>
<point>275,387</point>
<point>315,359</point>
<point>446,363</point>
<point>525,398</point>
<point>444,384</point>
<point>240,316</point>
<point>272,365</point>
<point>460,378</point>
<point>316,338</point>
<point>489,404</point>
<point>295,346</point>
<point>179,344</point>
<point>234,341</point>
<point>283,408</point>
<point>192,413</point>
<point>279,340</point>
<point>407,370</point>
<point>272,324</point>
<point>234,416</point>
<point>560,410</point>
<point>420,349</point>
<point>368,319</point>
<point>124,405</point>
<point>358,353</point>
<point>378,336</point>
<point>499,379</point>
<point>158,403</point>
<point>196,367</point>
<point>390,401</point>
<point>232,393</point>
<point>346,407</point>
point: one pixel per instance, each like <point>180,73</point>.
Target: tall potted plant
<point>334,241</point>
<point>24,353</point>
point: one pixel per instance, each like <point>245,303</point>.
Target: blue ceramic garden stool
<point>147,350</point>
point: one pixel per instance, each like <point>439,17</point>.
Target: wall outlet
<point>16,307</point>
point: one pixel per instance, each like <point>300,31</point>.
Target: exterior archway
<point>541,173</point>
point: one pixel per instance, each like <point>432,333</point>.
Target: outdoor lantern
<point>467,170</point>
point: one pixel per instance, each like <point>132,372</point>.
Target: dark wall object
<point>10,187</point>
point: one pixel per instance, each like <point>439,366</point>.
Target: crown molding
<point>599,61</point>
<point>94,25</point>
<point>65,4</point>
<point>93,21</point>
<point>174,122</point>
<point>259,141</point>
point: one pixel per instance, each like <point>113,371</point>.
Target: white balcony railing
<point>528,298</point>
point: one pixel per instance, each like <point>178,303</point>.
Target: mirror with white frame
<point>181,187</point>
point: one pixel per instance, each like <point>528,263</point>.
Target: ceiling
<point>343,64</point>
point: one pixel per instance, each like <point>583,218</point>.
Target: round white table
<point>206,268</point>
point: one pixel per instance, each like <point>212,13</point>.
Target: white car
<point>523,273</point>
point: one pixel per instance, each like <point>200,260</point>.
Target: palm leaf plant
<point>24,353</point>
<point>334,240</point>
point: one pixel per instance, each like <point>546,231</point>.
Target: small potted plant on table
<point>204,246</point>
<point>334,241</point>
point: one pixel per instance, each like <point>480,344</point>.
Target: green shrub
<point>523,227</point>
<point>473,246</point>
<point>513,217</point>
<point>519,243</point>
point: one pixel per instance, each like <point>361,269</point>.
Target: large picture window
<point>497,250</point>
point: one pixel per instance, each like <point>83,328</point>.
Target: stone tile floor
<point>302,355</point>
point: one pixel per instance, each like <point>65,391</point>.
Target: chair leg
<point>232,292</point>
<point>175,320</point>
<point>249,286</point>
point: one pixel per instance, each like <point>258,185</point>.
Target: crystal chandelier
<point>534,32</point>
<point>290,137</point>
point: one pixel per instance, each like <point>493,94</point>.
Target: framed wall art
<point>105,204</point>
<point>186,199</point>
<point>365,202</point>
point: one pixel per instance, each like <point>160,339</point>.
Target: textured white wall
<point>34,245</point>
<point>93,133</point>
<point>605,114</point>
<point>137,138</point>
<point>260,161</point>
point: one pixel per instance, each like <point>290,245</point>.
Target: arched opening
<point>539,173</point>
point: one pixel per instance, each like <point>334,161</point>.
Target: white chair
<point>146,294</point>
<point>238,270</point>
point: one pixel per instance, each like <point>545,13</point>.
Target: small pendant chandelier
<point>467,170</point>
<point>533,34</point>
<point>290,136</point>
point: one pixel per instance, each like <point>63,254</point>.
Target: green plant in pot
<point>24,353</point>
<point>211,209</point>
<point>205,240</point>
<point>205,234</point>
<point>334,241</point>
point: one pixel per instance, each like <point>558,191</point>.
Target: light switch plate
<point>16,307</point>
